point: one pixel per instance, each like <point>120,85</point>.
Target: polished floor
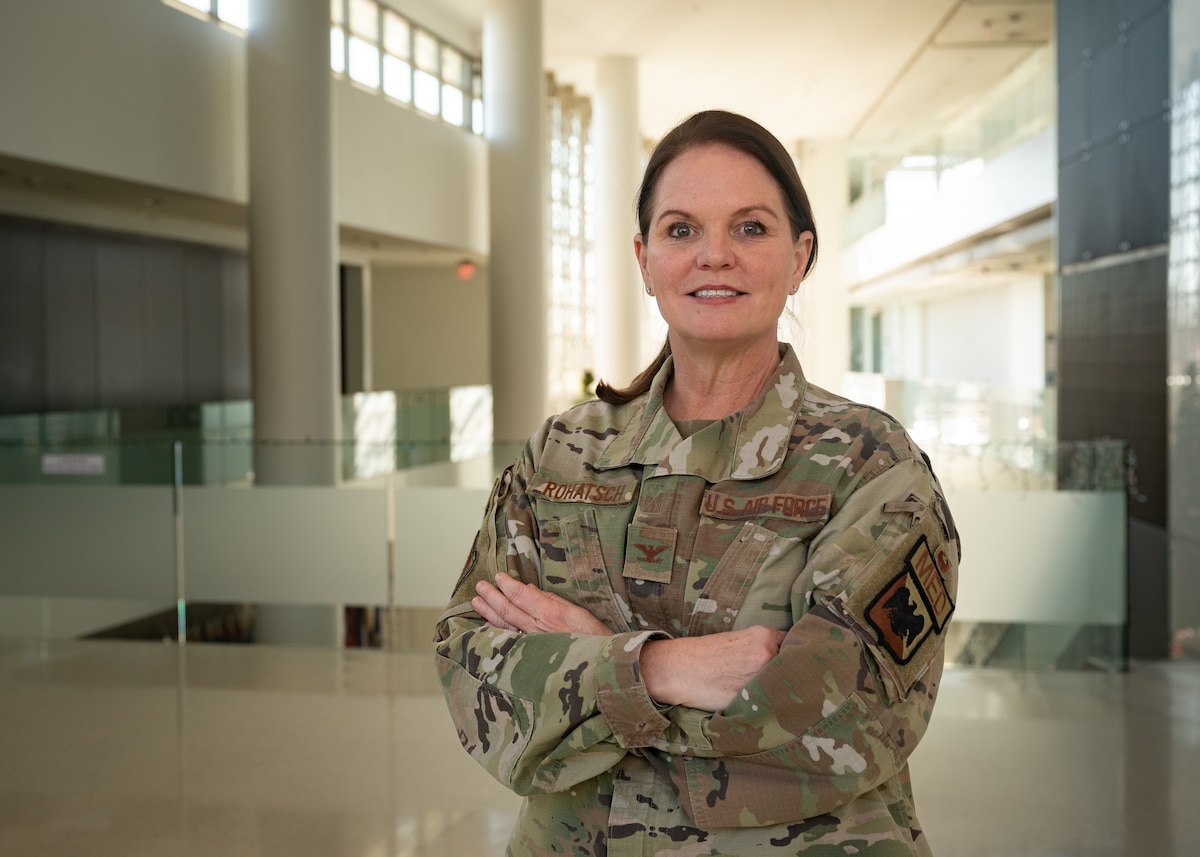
<point>135,748</point>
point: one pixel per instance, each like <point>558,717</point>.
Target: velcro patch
<point>794,507</point>
<point>912,605</point>
<point>649,553</point>
<point>594,493</point>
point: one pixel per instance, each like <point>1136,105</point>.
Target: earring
<point>648,291</point>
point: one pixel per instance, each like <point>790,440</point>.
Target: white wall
<point>428,328</point>
<point>402,173</point>
<point>138,91</point>
<point>993,335</point>
<point>129,89</point>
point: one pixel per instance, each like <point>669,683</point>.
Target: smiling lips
<point>715,293</point>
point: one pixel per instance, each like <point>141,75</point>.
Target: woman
<point>705,614</point>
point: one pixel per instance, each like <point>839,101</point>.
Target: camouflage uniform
<point>805,513</point>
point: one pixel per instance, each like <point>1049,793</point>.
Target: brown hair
<point>716,127</point>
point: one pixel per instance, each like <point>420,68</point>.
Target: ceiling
<point>879,73</point>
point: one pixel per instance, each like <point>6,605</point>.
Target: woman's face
<point>719,254</point>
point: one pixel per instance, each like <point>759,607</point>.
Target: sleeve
<point>843,704</point>
<point>540,712</point>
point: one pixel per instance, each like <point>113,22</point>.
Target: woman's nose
<point>715,251</point>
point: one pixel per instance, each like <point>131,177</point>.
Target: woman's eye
<point>752,227</point>
<point>679,230</point>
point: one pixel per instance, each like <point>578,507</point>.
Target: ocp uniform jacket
<point>804,512</point>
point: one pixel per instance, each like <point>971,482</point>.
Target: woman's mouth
<point>715,293</point>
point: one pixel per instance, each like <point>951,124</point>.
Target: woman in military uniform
<point>705,614</point>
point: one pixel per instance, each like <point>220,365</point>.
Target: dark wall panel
<point>1114,127</point>
<point>94,319</point>
<point>119,322</point>
<point>22,345</point>
<point>70,295</point>
<point>1090,220</point>
<point>203,334</point>
<point>1145,176</point>
<point>163,323</point>
<point>1100,20</point>
<point>1113,365</point>
<point>1072,113</point>
<point>1104,84</point>
<point>235,324</point>
<point>1147,78</point>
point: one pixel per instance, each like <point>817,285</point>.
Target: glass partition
<point>382,433</point>
<point>164,534</point>
<point>889,186</point>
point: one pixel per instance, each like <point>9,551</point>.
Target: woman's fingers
<point>517,606</point>
<point>496,608</point>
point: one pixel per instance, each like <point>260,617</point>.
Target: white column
<point>823,308</point>
<point>293,278</point>
<point>618,285</point>
<point>514,117</point>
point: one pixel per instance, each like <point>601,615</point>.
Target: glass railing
<point>192,549</point>
<point>383,432</point>
<point>1022,106</point>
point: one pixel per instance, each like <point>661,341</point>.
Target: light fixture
<point>466,270</point>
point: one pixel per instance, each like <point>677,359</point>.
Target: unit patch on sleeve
<point>912,605</point>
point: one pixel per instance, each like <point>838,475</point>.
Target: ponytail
<point>640,385</point>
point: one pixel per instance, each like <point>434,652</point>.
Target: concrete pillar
<point>618,145</point>
<point>293,247</point>
<point>293,277</point>
<point>822,306</point>
<point>514,117</point>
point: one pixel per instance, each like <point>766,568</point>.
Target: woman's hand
<point>707,672</point>
<point>516,606</point>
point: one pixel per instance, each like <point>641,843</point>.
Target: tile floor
<point>135,748</point>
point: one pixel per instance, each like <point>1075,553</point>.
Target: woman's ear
<point>803,250</point>
<point>639,250</point>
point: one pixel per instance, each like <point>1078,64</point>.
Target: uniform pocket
<point>502,725</point>
<point>590,585</point>
<point>736,594</point>
<point>845,755</point>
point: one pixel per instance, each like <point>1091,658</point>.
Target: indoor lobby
<point>284,284</point>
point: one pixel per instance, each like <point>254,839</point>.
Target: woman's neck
<point>708,386</point>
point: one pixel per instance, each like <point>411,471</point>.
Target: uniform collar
<point>750,444</point>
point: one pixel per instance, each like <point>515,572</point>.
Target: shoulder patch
<point>911,605</point>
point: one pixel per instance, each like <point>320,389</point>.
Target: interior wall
<point>429,330</point>
<point>1114,212</point>
<point>128,89</point>
<point>992,335</point>
<point>100,320</point>
<point>405,174</point>
<point>139,91</point>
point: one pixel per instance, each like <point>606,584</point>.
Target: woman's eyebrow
<point>741,212</point>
